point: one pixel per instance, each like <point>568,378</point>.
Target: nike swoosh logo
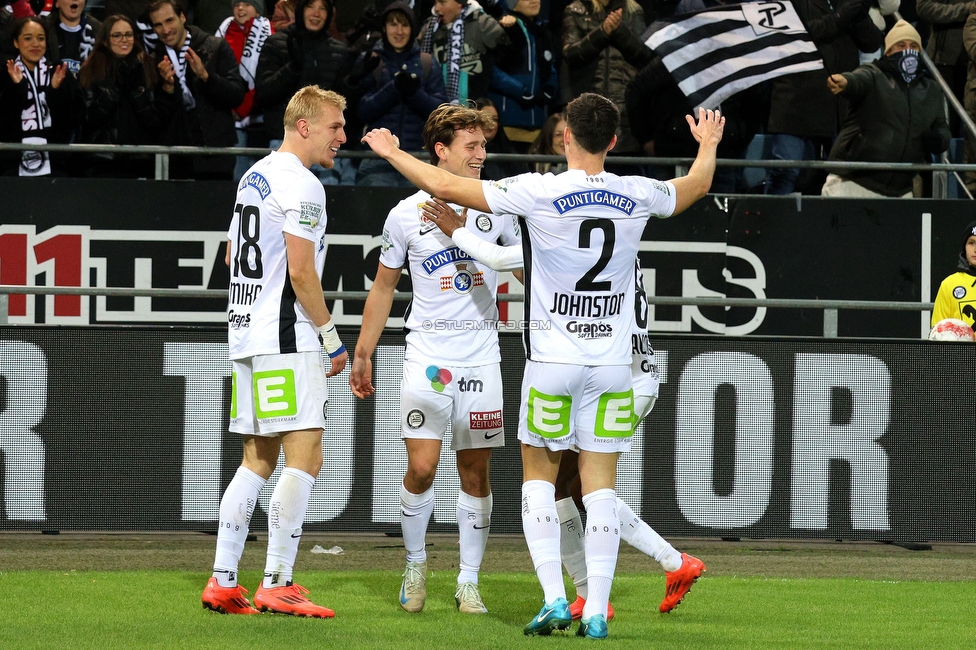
<point>403,597</point>
<point>427,229</point>
<point>541,619</point>
<point>294,536</point>
<point>406,515</point>
<point>487,437</point>
<point>482,527</point>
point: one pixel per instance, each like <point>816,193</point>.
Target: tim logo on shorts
<point>481,420</point>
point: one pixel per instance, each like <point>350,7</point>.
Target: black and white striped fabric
<point>715,53</point>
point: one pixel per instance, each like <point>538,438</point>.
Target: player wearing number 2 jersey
<point>681,569</point>
<point>276,314</point>
<point>580,236</point>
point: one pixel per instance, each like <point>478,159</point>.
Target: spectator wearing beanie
<point>401,86</point>
<point>896,116</point>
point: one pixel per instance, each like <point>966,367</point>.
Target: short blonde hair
<point>308,102</point>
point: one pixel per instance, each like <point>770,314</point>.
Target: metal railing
<point>830,307</point>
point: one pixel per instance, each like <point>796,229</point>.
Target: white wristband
<point>330,340</point>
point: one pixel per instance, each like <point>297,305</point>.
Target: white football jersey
<point>277,195</point>
<point>580,238</point>
<point>453,317</point>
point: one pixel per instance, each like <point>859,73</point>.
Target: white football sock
<point>236,508</point>
<point>541,527</point>
<point>474,520</point>
<point>286,513</point>
<point>571,547</point>
<point>602,542</point>
<point>415,513</point>
<point>644,538</point>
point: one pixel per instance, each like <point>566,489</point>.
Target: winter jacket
<point>211,122</point>
<point>327,62</point>
<point>801,104</point>
<point>483,38</point>
<point>602,63</point>
<point>528,68</point>
<point>383,106</point>
<point>120,109</point>
<point>947,18</point>
<point>886,123</point>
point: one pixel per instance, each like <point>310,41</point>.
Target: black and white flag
<point>715,53</point>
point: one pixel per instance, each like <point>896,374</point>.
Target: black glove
<point>406,83</point>
<point>296,53</point>
<point>932,142</point>
<point>526,101</point>
<point>128,73</point>
<point>364,68</point>
<point>851,12</point>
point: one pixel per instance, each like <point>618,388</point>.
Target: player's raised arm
<point>708,133</point>
<point>435,181</point>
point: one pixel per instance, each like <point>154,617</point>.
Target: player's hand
<point>444,215</point>
<point>382,142</point>
<point>708,131</point>
<point>338,364</point>
<point>14,72</point>
<point>361,377</point>
<point>196,64</point>
<point>508,20</point>
<point>837,83</point>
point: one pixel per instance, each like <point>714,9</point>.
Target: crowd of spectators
<point>218,73</point>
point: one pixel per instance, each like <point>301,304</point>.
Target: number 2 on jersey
<point>586,283</point>
<point>248,264</point>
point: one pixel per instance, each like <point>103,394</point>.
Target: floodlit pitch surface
<point>85,590</point>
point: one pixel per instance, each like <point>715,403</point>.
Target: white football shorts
<point>589,407</point>
<point>469,397</point>
<point>278,393</point>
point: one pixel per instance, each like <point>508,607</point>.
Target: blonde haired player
<point>278,324</point>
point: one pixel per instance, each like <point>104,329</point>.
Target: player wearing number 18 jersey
<point>276,314</point>
<point>577,387</point>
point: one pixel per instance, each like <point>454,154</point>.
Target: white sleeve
<point>393,247</point>
<point>662,197</point>
<point>513,195</point>
<point>500,258</point>
<point>302,207</point>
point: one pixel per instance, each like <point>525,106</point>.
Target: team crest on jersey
<point>463,280</point>
<point>959,293</point>
<point>311,212</point>
<point>258,182</point>
<point>483,222</point>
